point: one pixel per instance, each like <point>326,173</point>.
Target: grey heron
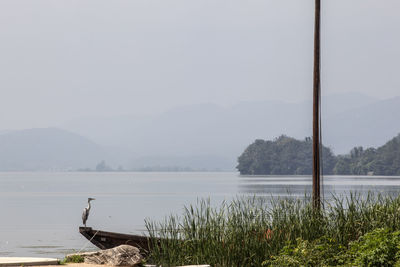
<point>86,210</point>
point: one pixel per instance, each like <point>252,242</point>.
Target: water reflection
<point>300,186</point>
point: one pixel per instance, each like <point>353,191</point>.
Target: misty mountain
<point>222,133</point>
<point>196,131</point>
<point>371,125</point>
<point>181,163</point>
<point>197,137</point>
<point>47,149</point>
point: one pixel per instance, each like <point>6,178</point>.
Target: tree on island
<point>384,160</point>
<point>103,167</point>
<point>283,156</point>
<point>288,156</point>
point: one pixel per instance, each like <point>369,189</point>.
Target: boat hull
<point>106,240</point>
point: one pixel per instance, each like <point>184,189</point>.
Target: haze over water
<point>41,212</point>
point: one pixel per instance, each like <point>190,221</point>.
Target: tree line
<point>289,156</point>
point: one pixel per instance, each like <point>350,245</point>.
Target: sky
<point>61,60</point>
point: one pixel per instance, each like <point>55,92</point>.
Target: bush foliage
<point>380,247</point>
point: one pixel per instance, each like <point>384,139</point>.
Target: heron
<point>86,210</point>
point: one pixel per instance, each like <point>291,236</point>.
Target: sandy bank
<point>74,265</point>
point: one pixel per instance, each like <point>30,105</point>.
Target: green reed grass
<point>247,231</point>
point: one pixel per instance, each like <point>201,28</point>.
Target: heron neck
<point>88,207</point>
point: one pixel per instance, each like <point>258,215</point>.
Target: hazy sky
<point>63,59</point>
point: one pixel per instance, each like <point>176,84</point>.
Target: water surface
<point>40,212</point>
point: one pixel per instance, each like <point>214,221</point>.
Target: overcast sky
<point>63,59</point>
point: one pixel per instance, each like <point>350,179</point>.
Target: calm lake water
<point>40,212</point>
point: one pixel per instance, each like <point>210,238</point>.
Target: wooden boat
<point>106,240</point>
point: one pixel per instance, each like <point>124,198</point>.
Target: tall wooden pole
<point>316,196</point>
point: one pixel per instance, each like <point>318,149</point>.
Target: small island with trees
<point>289,156</point>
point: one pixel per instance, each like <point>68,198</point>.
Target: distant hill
<point>198,137</point>
<point>183,163</point>
<point>349,119</point>
<point>368,125</point>
<point>47,149</point>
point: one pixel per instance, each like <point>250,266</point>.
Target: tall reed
<point>247,231</point>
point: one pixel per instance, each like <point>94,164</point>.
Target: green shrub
<point>73,259</point>
<point>377,248</point>
<point>380,247</point>
<point>320,252</point>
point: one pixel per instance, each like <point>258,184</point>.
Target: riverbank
<point>73,265</point>
<point>96,265</point>
<point>50,262</point>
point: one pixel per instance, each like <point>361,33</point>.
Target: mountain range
<point>197,137</point>
<point>47,149</point>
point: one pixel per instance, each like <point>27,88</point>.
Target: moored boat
<point>106,240</point>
